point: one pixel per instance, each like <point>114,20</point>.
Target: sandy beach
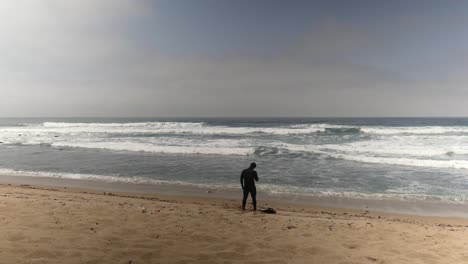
<point>132,132</point>
<point>62,225</point>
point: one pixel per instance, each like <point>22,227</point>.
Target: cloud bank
<point>104,58</point>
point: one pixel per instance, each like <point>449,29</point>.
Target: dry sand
<point>59,225</point>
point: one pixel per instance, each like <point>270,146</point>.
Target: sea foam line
<point>180,128</point>
<point>144,147</point>
<point>444,164</point>
<point>103,178</point>
<point>203,128</point>
<point>271,189</point>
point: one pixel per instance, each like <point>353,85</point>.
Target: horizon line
<point>229,117</point>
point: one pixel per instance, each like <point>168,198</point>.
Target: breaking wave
<point>204,128</point>
<point>177,128</point>
<point>429,146</point>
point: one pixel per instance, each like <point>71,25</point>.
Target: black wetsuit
<point>248,178</point>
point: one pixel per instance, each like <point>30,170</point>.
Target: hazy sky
<point>233,58</point>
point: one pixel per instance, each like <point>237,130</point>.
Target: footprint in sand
<point>16,237</point>
<point>315,250</point>
<point>351,246</point>
<point>372,259</point>
<point>41,253</point>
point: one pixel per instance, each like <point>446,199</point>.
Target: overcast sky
<point>233,58</point>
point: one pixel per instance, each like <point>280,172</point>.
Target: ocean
<point>418,159</point>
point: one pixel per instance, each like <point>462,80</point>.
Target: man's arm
<point>242,180</point>
<point>256,176</point>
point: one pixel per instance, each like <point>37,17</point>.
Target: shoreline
<point>389,206</point>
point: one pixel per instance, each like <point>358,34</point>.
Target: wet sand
<point>63,225</point>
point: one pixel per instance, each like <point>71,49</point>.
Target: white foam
<point>145,147</point>
<point>360,153</point>
<point>103,178</point>
<point>125,137</point>
<point>110,125</point>
<point>202,128</point>
<point>404,195</point>
<point>424,130</point>
<point>400,147</point>
<point>173,127</point>
<point>413,146</point>
<point>429,163</point>
<point>270,188</point>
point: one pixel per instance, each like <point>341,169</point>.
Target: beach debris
<point>291,227</point>
<point>268,210</point>
<point>209,191</point>
<point>144,210</point>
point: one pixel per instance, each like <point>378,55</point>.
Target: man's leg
<point>253,193</point>
<point>244,199</point>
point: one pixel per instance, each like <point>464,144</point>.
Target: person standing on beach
<point>248,178</point>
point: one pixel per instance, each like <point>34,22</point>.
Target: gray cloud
<point>62,58</point>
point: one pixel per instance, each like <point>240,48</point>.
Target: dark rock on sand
<point>268,211</point>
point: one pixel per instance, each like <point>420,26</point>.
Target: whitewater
<point>420,158</point>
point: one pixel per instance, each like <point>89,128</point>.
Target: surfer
<point>248,178</point>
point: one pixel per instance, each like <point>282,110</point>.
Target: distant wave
<point>430,146</point>
<point>125,125</point>
<point>343,130</point>
<point>428,130</point>
<point>390,155</point>
<point>203,128</point>
<point>145,147</point>
<point>179,128</point>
